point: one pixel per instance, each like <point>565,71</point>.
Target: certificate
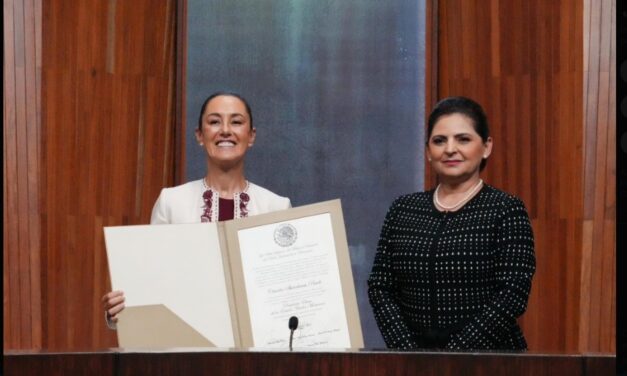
<point>237,283</point>
<point>290,269</point>
<point>294,263</point>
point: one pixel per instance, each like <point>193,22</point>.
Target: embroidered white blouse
<point>184,203</point>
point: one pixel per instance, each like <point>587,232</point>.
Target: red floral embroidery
<point>206,216</point>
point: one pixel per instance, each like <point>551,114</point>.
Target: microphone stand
<point>293,324</point>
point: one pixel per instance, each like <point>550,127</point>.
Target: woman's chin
<point>457,176</point>
<point>225,162</point>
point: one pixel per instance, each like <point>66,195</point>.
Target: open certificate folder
<point>237,283</point>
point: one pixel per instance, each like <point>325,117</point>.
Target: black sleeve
<point>515,268</point>
<point>383,293</point>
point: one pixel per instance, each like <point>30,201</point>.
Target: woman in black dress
<point>453,266</point>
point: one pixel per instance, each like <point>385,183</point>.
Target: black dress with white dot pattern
<point>456,280</point>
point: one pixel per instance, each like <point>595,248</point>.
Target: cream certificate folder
<point>237,283</point>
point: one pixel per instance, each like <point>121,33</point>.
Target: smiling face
<point>455,149</point>
<point>225,130</point>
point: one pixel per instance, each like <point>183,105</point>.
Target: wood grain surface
<point>93,130</point>
<point>544,72</point>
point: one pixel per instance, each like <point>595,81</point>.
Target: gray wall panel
<point>337,92</point>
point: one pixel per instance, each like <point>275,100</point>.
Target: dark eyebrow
<point>455,135</point>
<point>220,115</point>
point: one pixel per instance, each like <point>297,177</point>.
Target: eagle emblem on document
<point>285,235</point>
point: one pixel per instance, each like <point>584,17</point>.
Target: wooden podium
<point>211,361</point>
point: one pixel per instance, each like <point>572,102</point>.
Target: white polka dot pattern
<point>465,275</point>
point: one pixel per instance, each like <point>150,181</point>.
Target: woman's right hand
<point>113,303</point>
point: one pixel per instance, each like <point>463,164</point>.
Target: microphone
<point>293,324</point>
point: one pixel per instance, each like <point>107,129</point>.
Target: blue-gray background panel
<point>337,94</point>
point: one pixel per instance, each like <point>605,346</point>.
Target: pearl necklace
<point>211,197</point>
<point>437,202</point>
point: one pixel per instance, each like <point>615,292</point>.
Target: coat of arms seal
<point>285,235</point>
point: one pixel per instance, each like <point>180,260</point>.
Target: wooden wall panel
<point>512,58</point>
<point>89,141</point>
<point>524,62</point>
<point>598,313</point>
<point>108,117</point>
<point>21,179</point>
<point>180,92</point>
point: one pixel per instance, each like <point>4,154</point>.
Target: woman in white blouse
<point>225,132</point>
